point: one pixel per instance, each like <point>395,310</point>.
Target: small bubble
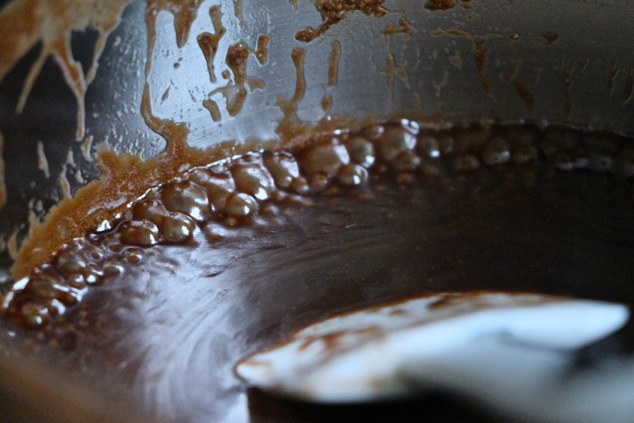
<point>34,315</point>
<point>241,205</point>
<point>70,262</point>
<point>466,163</point>
<point>113,267</point>
<point>133,255</point>
<point>407,161</point>
<point>152,210</point>
<point>300,186</point>
<point>178,228</point>
<point>373,132</point>
<point>429,146</point>
<point>324,158</point>
<point>318,183</point>
<point>394,141</point>
<point>283,168</point>
<point>352,175</point>
<point>219,187</point>
<point>142,233</point>
<point>525,154</point>
<point>253,180</point>
<point>361,151</point>
<point>498,151</point>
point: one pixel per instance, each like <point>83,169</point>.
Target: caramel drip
<point>290,126</point>
<point>294,4</point>
<point>403,27</point>
<point>333,64</point>
<point>184,13</point>
<point>3,187</point>
<point>261,51</point>
<point>52,22</point>
<point>214,111</point>
<point>481,64</point>
<point>208,43</point>
<point>567,93</point>
<point>334,11</point>
<point>523,92</point>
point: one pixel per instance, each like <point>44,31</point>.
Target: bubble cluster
<point>239,191</point>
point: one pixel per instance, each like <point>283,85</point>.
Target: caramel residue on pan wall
<point>290,127</point>
<point>124,177</point>
<point>184,13</point>
<point>42,162</point>
<point>628,91</point>
<point>333,63</point>
<point>208,43</point>
<point>523,92</point>
<point>403,27</point>
<point>440,4</point>
<point>334,11</point>
<point>51,22</point>
<point>481,62</point>
<point>3,186</point>
<point>294,4</point>
<point>236,92</point>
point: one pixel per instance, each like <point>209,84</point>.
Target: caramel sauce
<point>334,11</point>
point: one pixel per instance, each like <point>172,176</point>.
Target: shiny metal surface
<point>584,75</point>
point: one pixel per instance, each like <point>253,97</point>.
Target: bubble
<point>410,125</point>
<point>300,186</point>
<point>472,139</point>
<point>283,168</point>
<point>152,210</point>
<point>76,281</point>
<point>352,175</point>
<point>525,154</point>
<point>218,188</point>
<point>34,315</point>
<point>70,262</point>
<point>496,152</point>
<point>142,233</point>
<point>318,183</point>
<point>133,255</point>
<point>373,132</point>
<point>601,161</point>
<point>361,151</point>
<point>241,205</point>
<point>394,141</point>
<point>178,228</point>
<point>186,197</point>
<point>93,275</point>
<point>407,161</point>
<point>113,267</point>
<point>324,158</point>
<point>405,178</point>
<point>429,146</point>
<point>43,287</point>
<point>467,163</point>
<point>563,160</point>
<point>253,180</point>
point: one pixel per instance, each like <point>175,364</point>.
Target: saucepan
<point>80,81</point>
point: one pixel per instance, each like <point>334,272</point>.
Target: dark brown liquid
<point>232,257</point>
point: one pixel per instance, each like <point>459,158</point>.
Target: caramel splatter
<point>184,13</point>
<point>52,22</point>
<point>334,11</point>
<point>333,64</point>
<point>403,27</point>
<point>42,162</point>
<point>214,111</point>
<point>549,37</point>
<point>290,127</point>
<point>481,64</point>
<point>440,4</point>
<point>208,43</point>
<point>294,4</point>
<point>235,93</point>
<point>523,92</point>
